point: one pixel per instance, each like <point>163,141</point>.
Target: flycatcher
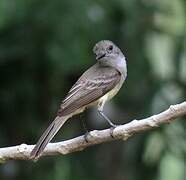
<point>97,85</point>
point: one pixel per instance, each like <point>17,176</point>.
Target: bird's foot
<point>112,130</point>
<point>86,136</point>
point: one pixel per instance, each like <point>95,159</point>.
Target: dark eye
<point>110,48</point>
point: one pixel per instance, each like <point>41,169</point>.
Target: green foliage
<point>46,45</point>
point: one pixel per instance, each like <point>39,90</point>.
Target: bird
<point>95,87</point>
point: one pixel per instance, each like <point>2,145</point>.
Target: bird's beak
<point>100,56</point>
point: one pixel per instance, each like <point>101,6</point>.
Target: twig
<point>122,132</point>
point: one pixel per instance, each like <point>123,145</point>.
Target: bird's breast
<point>112,92</point>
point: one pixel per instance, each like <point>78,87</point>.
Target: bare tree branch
<point>122,132</point>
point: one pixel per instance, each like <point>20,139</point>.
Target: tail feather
<point>47,136</point>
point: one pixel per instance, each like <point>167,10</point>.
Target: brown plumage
<point>92,88</point>
<point>92,85</point>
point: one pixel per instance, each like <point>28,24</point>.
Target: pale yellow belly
<point>101,100</point>
<point>110,94</point>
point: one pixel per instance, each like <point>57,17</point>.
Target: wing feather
<point>89,89</point>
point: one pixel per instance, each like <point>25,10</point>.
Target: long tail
<point>47,136</point>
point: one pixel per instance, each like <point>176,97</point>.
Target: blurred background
<point>45,46</point>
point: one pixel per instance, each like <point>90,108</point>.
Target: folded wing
<point>89,89</point>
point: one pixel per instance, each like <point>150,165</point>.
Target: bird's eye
<point>110,48</point>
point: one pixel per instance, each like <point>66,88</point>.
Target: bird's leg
<point>100,110</point>
<point>86,129</point>
<point>84,125</point>
<point>113,126</point>
<point>106,118</point>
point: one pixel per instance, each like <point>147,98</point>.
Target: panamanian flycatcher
<point>97,85</point>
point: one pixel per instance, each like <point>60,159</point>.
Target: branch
<point>122,132</point>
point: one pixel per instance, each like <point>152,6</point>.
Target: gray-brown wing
<point>87,90</point>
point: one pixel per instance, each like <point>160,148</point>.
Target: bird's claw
<point>86,136</point>
<point>112,130</point>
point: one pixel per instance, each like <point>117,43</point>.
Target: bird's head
<point>106,49</point>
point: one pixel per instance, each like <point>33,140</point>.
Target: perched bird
<point>97,85</point>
